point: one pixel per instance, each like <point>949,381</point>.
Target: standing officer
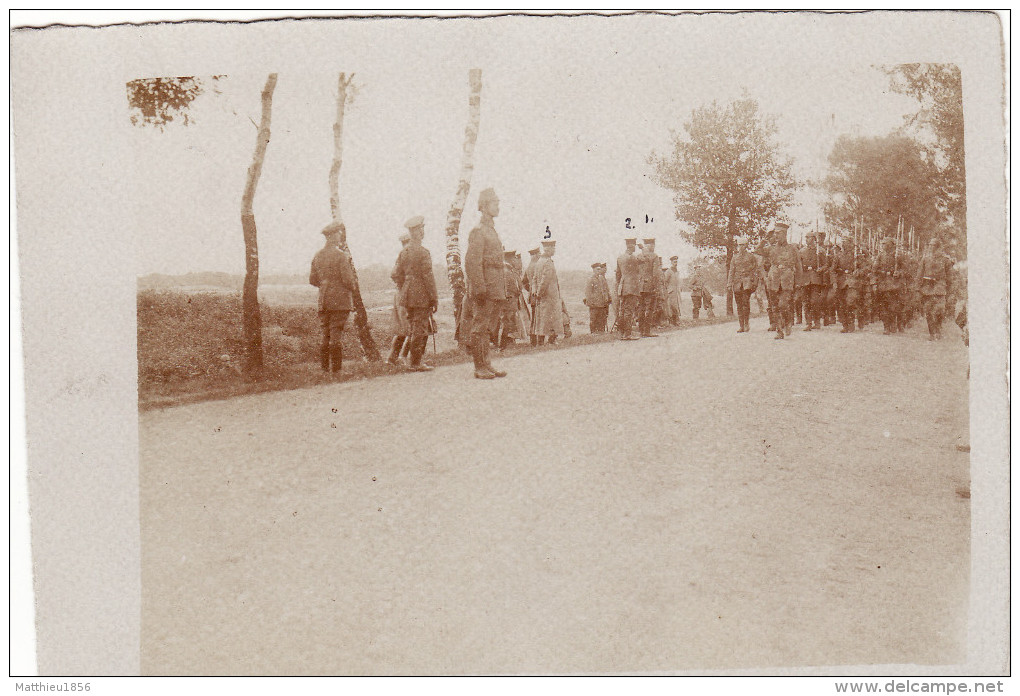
<point>649,287</point>
<point>700,294</point>
<point>509,328</point>
<point>628,284</point>
<point>743,280</point>
<point>597,299</point>
<point>783,272</point>
<point>486,287</point>
<point>413,276</point>
<point>333,274</point>
<point>529,283</point>
<point>549,310</point>
<point>401,329</point>
<point>673,292</point>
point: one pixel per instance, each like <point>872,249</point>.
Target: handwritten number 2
<point>628,225</point>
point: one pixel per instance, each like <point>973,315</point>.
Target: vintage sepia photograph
<point>563,344</point>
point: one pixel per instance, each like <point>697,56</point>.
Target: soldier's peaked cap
<point>405,237</point>
<point>596,265</point>
<point>674,258</point>
<point>548,242</point>
<point>333,228</point>
<point>782,226</point>
<point>536,250</point>
<point>630,240</point>
<point>509,254</point>
<point>416,221</point>
<point>649,240</point>
<point>486,195</point>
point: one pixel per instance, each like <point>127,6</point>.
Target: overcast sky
<point>570,111</point>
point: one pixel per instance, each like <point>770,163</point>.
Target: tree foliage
<point>879,179</point>
<point>157,101</point>
<point>938,126</point>
<point>728,175</point>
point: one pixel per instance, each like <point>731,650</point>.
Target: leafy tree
<point>938,126</point>
<point>727,174</point>
<point>879,179</point>
<point>156,101</point>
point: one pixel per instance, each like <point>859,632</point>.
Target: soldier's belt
<point>810,268</point>
<point>492,264</point>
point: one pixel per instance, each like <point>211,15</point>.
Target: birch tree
<point>251,313</point>
<point>454,268</point>
<point>344,94</point>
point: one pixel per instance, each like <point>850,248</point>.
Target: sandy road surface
<point>699,500</point>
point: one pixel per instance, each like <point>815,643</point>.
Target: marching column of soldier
<point>839,282</point>
<point>817,283</point>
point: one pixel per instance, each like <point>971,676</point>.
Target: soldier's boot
<point>696,313</point>
<point>417,353</point>
<point>487,361</point>
<point>336,356</point>
<point>534,340</point>
<point>552,340</point>
<point>324,357</point>
<point>711,313</point>
<point>395,345</point>
<point>481,370</point>
<point>406,350</point>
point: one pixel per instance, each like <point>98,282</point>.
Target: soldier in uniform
<point>413,276</point>
<point>628,283</point>
<point>649,285</point>
<point>698,291</point>
<point>509,320</point>
<point>528,282</point>
<point>549,308</point>
<point>841,268</point>
<point>783,272</point>
<point>933,274</point>
<point>673,292</point>
<point>887,288</point>
<point>862,284</point>
<point>764,253</point>
<point>811,261</point>
<point>799,293</point>
<point>597,299</point>
<point>486,287</point>
<point>401,329</point>
<point>827,258</point>
<point>333,274</point>
<point>743,281</point>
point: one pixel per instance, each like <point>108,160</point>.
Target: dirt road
<point>702,500</point>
